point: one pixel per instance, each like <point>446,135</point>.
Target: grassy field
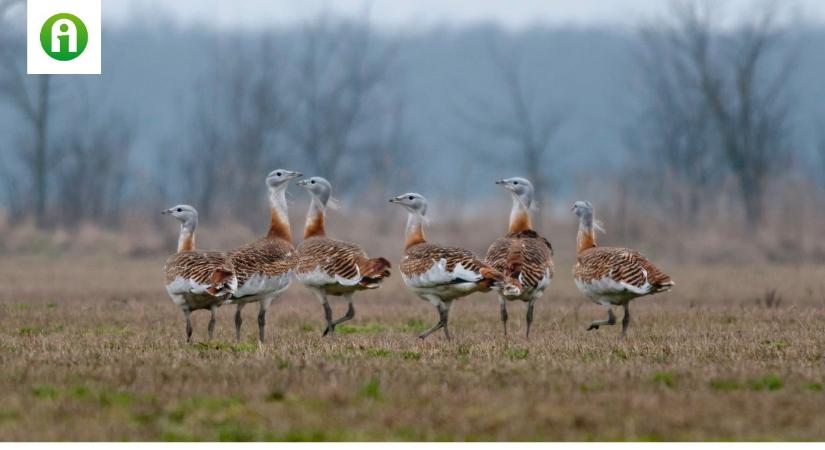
<point>93,349</point>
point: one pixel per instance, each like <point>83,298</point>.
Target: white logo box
<point>38,12</point>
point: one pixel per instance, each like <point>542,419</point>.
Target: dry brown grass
<point>93,349</point>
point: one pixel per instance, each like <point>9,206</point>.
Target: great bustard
<point>441,274</point>
<point>265,266</point>
<point>612,276</point>
<point>196,280</point>
<point>330,267</point>
<point>521,255</point>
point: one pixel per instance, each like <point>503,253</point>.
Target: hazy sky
<point>416,13</point>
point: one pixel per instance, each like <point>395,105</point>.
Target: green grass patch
<point>51,305</point>
<point>45,391</point>
<point>413,325</point>
<point>27,331</point>
<point>725,384</point>
<point>307,328</point>
<point>464,350</point>
<point>372,389</point>
<point>667,379</point>
<point>592,387</point>
<point>379,352</point>
<point>371,328</point>
<point>517,353</point>
<point>411,356</point>
<point>619,353</point>
<point>282,364</point>
<point>768,383</point>
<point>244,347</point>
<point>815,387</point>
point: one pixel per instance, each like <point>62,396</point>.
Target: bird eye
<point>410,197</point>
<point>180,209</point>
<point>515,183</point>
<point>312,182</point>
<point>278,174</point>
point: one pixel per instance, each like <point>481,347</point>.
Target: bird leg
<point>187,314</point>
<point>214,310</point>
<point>530,314</point>
<point>503,303</point>
<point>238,322</point>
<point>443,311</point>
<point>350,312</point>
<point>264,305</point>
<point>611,320</point>
<point>448,304</point>
<point>322,296</point>
<point>625,320</point>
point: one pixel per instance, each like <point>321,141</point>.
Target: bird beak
<point>501,181</point>
<point>395,200</point>
<point>302,183</point>
<point>165,211</point>
<point>296,175</point>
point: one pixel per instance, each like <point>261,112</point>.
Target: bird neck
<point>315,219</point>
<point>586,238</point>
<point>415,230</point>
<point>279,219</point>
<point>519,216</point>
<point>186,240</point>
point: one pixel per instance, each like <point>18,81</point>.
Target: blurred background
<point>697,128</point>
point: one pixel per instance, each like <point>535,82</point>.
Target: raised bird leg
<point>187,314</point>
<point>238,321</point>
<point>503,304</point>
<point>530,314</point>
<point>625,319</point>
<point>448,305</point>
<point>262,318</point>
<point>611,320</point>
<point>214,310</point>
<point>322,296</point>
<point>350,312</point>
<point>443,311</point>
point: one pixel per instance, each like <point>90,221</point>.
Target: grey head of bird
<point>281,177</point>
<point>317,187</point>
<point>183,213</point>
<point>520,188</point>
<point>414,203</point>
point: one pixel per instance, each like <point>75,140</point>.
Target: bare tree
<point>237,127</point>
<point>32,102</point>
<point>746,103</point>
<point>527,122</point>
<point>340,83</point>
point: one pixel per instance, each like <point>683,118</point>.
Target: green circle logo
<point>64,37</point>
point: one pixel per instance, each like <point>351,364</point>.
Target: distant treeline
<point>676,120</point>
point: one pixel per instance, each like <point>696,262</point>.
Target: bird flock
<point>517,266</point>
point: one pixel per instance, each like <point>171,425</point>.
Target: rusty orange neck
<point>315,221</point>
<point>278,226</point>
<point>186,241</point>
<point>415,231</point>
<point>586,239</point>
<point>520,219</point>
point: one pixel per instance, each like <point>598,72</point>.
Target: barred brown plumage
<point>612,276</point>
<point>329,266</point>
<point>264,267</point>
<point>523,256</point>
<point>196,280</point>
<point>441,274</point>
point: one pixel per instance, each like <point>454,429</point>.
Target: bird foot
<point>592,327</point>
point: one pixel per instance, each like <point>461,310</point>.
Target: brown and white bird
<point>264,267</point>
<point>330,267</point>
<point>612,276</point>
<point>441,274</point>
<point>522,255</point>
<point>194,279</point>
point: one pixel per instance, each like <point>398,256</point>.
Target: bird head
<point>183,213</point>
<point>317,187</point>
<point>521,188</point>
<point>414,203</point>
<point>280,177</point>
